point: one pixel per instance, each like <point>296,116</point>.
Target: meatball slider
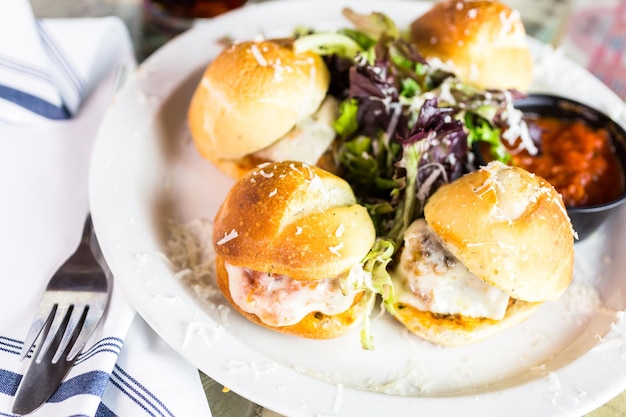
<point>493,246</point>
<point>484,40</point>
<point>262,101</point>
<point>286,236</point>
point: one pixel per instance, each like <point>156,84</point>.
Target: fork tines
<point>72,305</point>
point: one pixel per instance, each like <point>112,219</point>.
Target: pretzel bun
<point>484,40</point>
<point>290,219</point>
<point>250,96</point>
<point>510,229</point>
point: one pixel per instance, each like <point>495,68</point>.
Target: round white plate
<point>569,358</point>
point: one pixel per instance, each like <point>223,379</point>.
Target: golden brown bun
<point>293,219</point>
<point>456,330</point>
<point>485,40</point>
<point>508,227</point>
<point>251,95</point>
<point>313,326</point>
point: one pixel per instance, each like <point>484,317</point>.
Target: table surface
<point>545,20</point>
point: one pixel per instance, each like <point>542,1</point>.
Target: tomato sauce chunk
<point>577,160</point>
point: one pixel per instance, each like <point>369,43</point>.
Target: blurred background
<point>592,32</point>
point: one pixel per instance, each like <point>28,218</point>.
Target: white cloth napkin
<point>41,76</point>
<point>43,182</point>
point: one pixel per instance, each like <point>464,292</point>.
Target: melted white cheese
<point>430,278</point>
<point>282,301</point>
<point>308,140</point>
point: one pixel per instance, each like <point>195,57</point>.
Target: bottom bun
<point>313,326</point>
<point>457,330</point>
<point>235,168</point>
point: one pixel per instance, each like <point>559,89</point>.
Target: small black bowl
<point>585,219</point>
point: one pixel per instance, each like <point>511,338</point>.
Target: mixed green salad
<point>405,127</point>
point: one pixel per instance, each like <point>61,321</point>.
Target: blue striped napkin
<point>40,75</point>
<point>125,369</point>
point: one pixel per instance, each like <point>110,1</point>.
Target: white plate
<point>567,359</point>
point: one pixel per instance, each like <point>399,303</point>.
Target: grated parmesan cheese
<point>335,249</point>
<point>190,252</point>
<point>228,237</point>
<point>265,174</point>
<point>260,59</point>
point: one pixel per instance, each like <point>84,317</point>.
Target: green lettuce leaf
<point>372,277</point>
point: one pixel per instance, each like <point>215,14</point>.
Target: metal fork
<point>73,303</point>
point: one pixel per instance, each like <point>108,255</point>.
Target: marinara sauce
<point>576,159</point>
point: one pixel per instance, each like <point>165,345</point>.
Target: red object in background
<point>171,17</point>
<point>193,9</point>
<point>608,61</point>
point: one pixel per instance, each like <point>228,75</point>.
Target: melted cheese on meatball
<point>429,278</point>
<point>279,300</point>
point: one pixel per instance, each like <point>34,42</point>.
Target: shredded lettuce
<point>328,43</point>
<point>347,123</point>
<point>364,40</point>
<point>374,279</point>
<point>375,24</point>
<point>411,156</point>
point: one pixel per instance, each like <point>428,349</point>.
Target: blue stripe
<point>84,358</point>
<point>148,395</point>
<point>34,104</point>
<point>129,395</point>
<point>107,344</point>
<point>13,351</point>
<point>56,54</point>
<point>9,339</point>
<point>14,347</point>
<point>104,411</point>
<point>9,381</point>
<point>102,341</point>
<point>89,383</point>
<point>107,341</point>
<point>24,67</point>
<point>6,343</point>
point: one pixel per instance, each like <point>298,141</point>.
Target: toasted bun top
<point>485,40</point>
<point>252,94</point>
<point>294,219</point>
<point>509,227</point>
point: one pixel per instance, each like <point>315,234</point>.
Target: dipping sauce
<point>578,160</point>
